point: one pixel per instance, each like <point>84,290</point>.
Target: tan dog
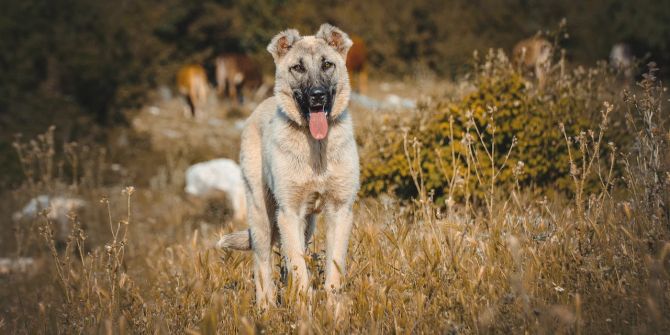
<point>299,158</point>
<point>534,53</point>
<point>192,83</point>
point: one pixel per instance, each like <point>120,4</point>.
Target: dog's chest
<point>309,179</point>
<point>315,178</point>
<point>306,191</point>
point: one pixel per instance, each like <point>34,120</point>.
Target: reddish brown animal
<point>357,65</point>
<point>234,74</point>
<point>192,83</point>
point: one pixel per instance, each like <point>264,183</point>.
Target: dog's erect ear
<point>336,38</point>
<point>282,43</point>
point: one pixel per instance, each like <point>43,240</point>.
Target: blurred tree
<point>67,62</point>
<point>103,56</point>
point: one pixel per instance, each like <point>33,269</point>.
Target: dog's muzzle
<point>315,104</point>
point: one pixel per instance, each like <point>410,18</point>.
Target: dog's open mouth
<point>315,104</point>
<point>318,122</point>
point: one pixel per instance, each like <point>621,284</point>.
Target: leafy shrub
<point>524,123</point>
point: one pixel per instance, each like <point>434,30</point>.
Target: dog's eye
<point>298,68</point>
<point>326,65</point>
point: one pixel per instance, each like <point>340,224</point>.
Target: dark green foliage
<point>106,54</point>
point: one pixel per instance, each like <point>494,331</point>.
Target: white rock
<point>365,101</point>
<point>153,110</point>
<point>18,265</point>
<point>385,86</point>
<point>223,175</point>
<point>239,124</point>
<point>393,99</point>
<point>58,209</point>
<point>216,122</point>
<point>165,93</point>
<point>169,133</point>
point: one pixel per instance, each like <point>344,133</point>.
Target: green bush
<point>504,121</point>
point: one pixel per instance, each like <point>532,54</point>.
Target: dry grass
<point>519,263</point>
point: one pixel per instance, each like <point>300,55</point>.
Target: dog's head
<point>311,80</point>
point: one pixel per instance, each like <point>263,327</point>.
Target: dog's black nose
<point>317,96</point>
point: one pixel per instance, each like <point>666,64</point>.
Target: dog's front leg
<point>339,221</point>
<point>292,232</point>
<point>261,236</point>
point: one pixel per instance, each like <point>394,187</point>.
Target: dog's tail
<point>239,240</point>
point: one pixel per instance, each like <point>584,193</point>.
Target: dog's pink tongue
<point>318,124</point>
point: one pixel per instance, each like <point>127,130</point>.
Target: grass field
<point>519,259</point>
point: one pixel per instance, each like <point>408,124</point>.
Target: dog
<point>192,84</point>
<point>234,72</point>
<point>299,158</point>
<point>534,53</point>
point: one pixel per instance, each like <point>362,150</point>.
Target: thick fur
<point>290,176</point>
<point>534,53</point>
<point>240,240</point>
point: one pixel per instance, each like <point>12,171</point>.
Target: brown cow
<point>534,53</point>
<point>192,83</point>
<point>234,73</point>
<point>356,65</point>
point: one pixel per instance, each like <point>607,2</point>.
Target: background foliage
<point>504,110</point>
<point>101,56</point>
<point>80,64</point>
